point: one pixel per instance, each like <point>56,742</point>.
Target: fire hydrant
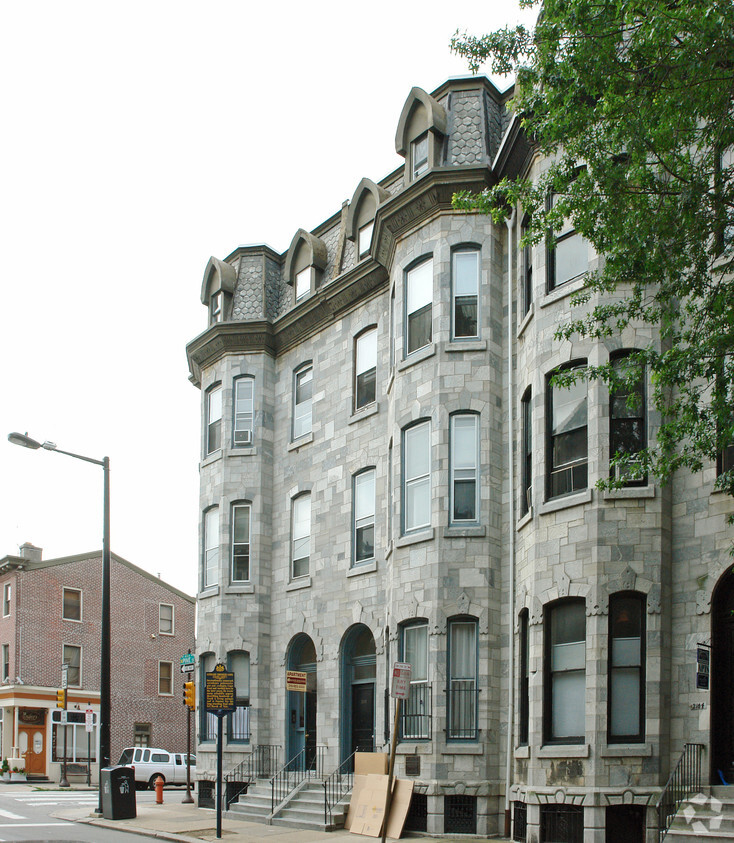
<point>159,782</point>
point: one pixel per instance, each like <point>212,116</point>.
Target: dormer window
<point>364,238</point>
<point>303,283</point>
<point>419,155</point>
<point>215,308</point>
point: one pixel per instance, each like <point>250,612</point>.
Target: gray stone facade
<point>465,579</point>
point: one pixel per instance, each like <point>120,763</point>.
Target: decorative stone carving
<point>463,603</point>
<point>563,583</point>
<point>628,579</point>
<point>653,600</point>
<point>536,612</point>
<point>597,602</point>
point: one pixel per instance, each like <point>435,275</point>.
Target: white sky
<point>139,138</point>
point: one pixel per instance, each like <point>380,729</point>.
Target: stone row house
<point>387,474</point>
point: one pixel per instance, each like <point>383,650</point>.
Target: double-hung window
<point>241,542</point>
<point>7,591</point>
<point>526,268</point>
<point>365,368</point>
<point>465,293</point>
<point>417,477</point>
<point>165,678</point>
<point>526,453</point>
<point>72,657</point>
<point>301,531</point>
<point>464,468</point>
<point>214,419</point>
<point>211,546</point>
<point>244,389</point>
<point>523,726</point>
<point>6,661</point>
<point>565,673</point>
<point>627,421</point>
<point>302,391</point>
<point>419,155</point>
<point>238,722</point>
<point>626,695</point>
<point>419,306</point>
<point>364,516</point>
<point>72,604</point>
<point>165,618</point>
<point>567,456</point>
<point>416,714</point>
<point>569,257</point>
<point>462,690</point>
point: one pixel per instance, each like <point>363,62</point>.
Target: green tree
<point>633,102</point>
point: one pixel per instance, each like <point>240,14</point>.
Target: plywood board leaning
<point>370,762</point>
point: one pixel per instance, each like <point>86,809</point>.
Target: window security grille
<point>460,814</point>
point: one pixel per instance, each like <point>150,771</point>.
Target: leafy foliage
<point>633,103</point>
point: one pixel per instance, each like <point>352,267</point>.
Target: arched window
<point>363,532</point>
<point>464,462</point>
<point>244,410</point>
<point>568,447</point>
<point>417,476</point>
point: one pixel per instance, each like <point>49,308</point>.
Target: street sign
<point>189,658</point>
<point>219,690</point>
<point>64,675</point>
<point>295,680</point>
<point>400,681</point>
<point>89,720</point>
<point>188,667</point>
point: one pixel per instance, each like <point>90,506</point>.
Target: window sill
<point>210,591</point>
<point>563,290</point>
<point>626,750</point>
<point>417,357</point>
<point>629,493</point>
<point>569,750</point>
<point>525,321</point>
<point>245,588</point>
<point>363,568</point>
<point>242,451</point>
<point>469,748</point>
<point>462,346</point>
<point>464,532</point>
<point>565,502</point>
<point>210,458</point>
<point>364,413</point>
<point>297,585</point>
<point>525,519</point>
<point>416,538</point>
<point>306,439</point>
<point>413,746</point>
<point>522,751</point>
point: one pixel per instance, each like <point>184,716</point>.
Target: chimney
<point>30,552</point>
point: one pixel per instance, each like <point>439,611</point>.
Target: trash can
<point>118,793</point>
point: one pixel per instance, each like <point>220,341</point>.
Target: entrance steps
<point>707,816</point>
<point>304,809</point>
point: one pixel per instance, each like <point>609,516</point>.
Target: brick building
<point>387,474</point>
<point>51,615</point>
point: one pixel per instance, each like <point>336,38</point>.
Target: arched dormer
<point>361,214</point>
<point>305,262</point>
<point>217,289</point>
<point>421,129</point>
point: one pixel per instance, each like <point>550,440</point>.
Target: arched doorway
<point>359,666</point>
<point>301,710</point>
<point>722,679</point>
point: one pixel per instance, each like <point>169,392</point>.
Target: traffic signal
<point>189,692</point>
<point>61,698</point>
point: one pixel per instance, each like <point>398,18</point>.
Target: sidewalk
<point>174,820</point>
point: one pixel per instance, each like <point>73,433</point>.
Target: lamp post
<point>104,679</point>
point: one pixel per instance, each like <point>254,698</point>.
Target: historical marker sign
<point>219,690</point>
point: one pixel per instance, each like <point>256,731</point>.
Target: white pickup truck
<point>149,763</point>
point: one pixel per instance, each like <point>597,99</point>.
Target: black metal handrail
<point>684,780</point>
<point>260,763</point>
<point>337,785</point>
<point>309,763</point>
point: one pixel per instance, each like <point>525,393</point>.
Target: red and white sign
<point>89,720</point>
<point>400,681</point>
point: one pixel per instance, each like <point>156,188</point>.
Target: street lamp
<point>104,679</point>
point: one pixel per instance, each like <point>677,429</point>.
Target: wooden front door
<point>32,741</point>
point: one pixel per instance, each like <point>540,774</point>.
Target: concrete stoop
<point>305,808</point>
<point>708,815</point>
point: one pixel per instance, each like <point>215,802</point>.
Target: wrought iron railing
<point>463,698</point>
<point>261,763</point>
<point>684,780</point>
<point>337,785</point>
<point>416,714</point>
<point>309,763</point>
